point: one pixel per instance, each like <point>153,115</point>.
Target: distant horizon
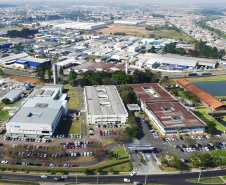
<point>160,2</point>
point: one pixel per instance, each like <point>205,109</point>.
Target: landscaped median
<point>110,164</point>
<point>18,182</point>
<point>208,180</point>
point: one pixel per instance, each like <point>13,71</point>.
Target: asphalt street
<point>175,179</point>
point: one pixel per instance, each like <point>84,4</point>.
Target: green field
<point>18,182</point>
<point>205,111</point>
<point>3,40</point>
<point>73,103</point>
<point>123,157</point>
<point>205,79</point>
<point>208,180</point>
<point>4,115</point>
<point>70,127</point>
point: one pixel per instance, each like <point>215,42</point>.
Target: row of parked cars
<point>201,147</point>
<point>68,136</point>
<point>107,132</point>
<point>38,164</point>
<point>27,139</point>
<point>155,135</point>
<point>54,155</point>
<point>76,144</point>
<point>109,126</point>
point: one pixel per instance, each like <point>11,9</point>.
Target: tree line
<point>25,32</point>
<point>201,50</point>
<point>119,77</point>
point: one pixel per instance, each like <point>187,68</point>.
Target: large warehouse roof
<point>103,100</point>
<point>174,115</point>
<point>152,92</point>
<point>169,61</point>
<point>38,111</point>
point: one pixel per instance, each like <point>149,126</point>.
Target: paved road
<point>175,179</point>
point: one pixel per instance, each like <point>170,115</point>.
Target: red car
<point>11,163</point>
<point>90,142</point>
<point>45,164</point>
<point>59,165</point>
<point>74,165</point>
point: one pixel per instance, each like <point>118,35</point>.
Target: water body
<point>217,88</point>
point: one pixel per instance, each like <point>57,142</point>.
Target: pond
<point>217,88</point>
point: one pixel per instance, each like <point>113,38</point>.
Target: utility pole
<point>76,178</point>
<point>145,180</point>
<point>97,178</point>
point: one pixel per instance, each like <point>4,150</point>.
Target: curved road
<point>175,179</point>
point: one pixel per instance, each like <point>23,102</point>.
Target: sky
<point>128,1</point>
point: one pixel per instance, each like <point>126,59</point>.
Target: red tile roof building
<point>168,114</point>
<point>207,98</point>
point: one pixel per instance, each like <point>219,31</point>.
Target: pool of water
<point>217,88</point>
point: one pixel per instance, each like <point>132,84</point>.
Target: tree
<point>5,100</point>
<point>72,75</point>
<point>99,170</point>
<point>41,69</point>
<point>152,50</point>
<point>61,71</point>
<point>87,171</point>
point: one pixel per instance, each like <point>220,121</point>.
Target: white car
<point>44,176</point>
<point>133,173</point>
<point>126,180</point>
<point>4,162</point>
<point>64,176</point>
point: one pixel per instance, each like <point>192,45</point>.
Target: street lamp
<point>200,173</point>
<point>145,180</point>
<point>97,178</point>
<point>76,178</point>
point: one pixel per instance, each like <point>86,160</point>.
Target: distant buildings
<point>130,22</point>
<point>74,25</point>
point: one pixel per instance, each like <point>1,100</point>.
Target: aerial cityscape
<point>96,92</point>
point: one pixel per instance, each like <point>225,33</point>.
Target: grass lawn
<point>206,78</point>
<point>4,115</point>
<point>70,127</point>
<point>224,177</point>
<point>73,103</point>
<point>72,92</point>
<point>18,182</point>
<point>108,141</point>
<point>219,126</point>
<point>92,57</point>
<point>3,40</point>
<point>53,62</point>
<point>10,28</point>
<point>166,169</point>
<point>208,180</point>
<point>123,157</point>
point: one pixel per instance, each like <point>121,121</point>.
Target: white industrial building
<point>75,25</point>
<point>13,95</point>
<point>130,21</point>
<point>37,117</point>
<point>104,105</point>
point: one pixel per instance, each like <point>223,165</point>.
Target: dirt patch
<point>22,79</point>
<point>113,28</point>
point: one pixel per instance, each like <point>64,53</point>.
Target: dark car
<point>38,164</point>
<point>58,179</point>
